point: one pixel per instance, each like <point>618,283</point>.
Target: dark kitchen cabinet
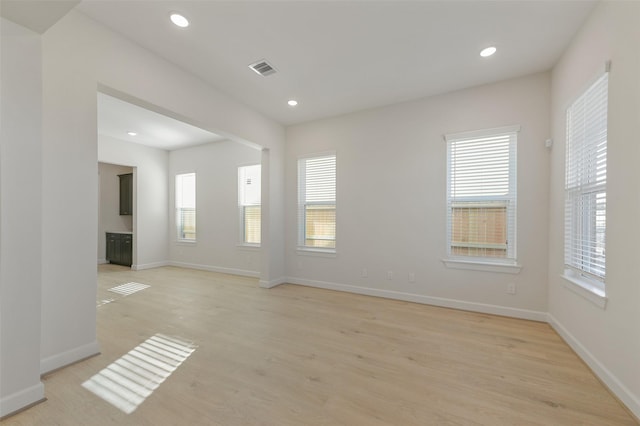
<point>119,248</point>
<point>126,194</point>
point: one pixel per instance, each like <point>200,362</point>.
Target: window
<point>249,184</point>
<point>186,206</point>
<point>586,186</point>
<point>481,195</point>
<point>317,202</point>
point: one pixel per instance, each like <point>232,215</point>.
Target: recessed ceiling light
<point>179,20</point>
<point>292,102</point>
<point>488,51</point>
<point>132,133</point>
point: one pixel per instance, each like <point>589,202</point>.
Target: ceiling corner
<point>37,15</point>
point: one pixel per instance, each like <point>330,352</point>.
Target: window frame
<point>582,276</point>
<point>508,263</point>
<point>302,247</point>
<point>242,206</point>
<point>179,226</point>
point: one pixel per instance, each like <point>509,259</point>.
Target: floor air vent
<point>263,68</point>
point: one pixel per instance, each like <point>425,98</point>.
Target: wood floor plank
<point>293,355</point>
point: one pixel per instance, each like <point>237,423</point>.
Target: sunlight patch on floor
<point>128,381</point>
<point>104,302</point>
<point>128,288</point>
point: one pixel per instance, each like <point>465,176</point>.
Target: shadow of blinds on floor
<point>128,381</point>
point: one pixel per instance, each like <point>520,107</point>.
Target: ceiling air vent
<point>263,68</point>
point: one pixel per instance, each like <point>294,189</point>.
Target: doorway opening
<point>116,212</point>
<point>157,147</point>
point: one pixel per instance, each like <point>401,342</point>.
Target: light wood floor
<point>301,356</point>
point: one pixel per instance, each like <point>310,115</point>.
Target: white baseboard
<point>272,283</point>
<point>427,300</point>
<point>63,359</point>
<point>220,269</point>
<point>21,399</point>
<point>613,383</point>
<point>149,265</point>
<point>102,261</point>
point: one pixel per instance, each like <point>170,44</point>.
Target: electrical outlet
<point>365,273</point>
<point>389,275</point>
<point>511,288</point>
<point>412,277</point>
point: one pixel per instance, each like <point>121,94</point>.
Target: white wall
<point>608,339</point>
<point>150,197</point>
<point>79,57</point>
<point>391,199</point>
<point>20,217</point>
<point>216,248</point>
<point>70,204</point>
<point>109,218</point>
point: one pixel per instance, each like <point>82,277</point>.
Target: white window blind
<point>249,193</point>
<point>317,202</point>
<point>586,183</point>
<point>481,193</point>
<point>185,194</point>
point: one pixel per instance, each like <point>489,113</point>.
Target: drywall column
<point>20,217</point>
<point>272,265</point>
<point>265,239</point>
<point>69,201</point>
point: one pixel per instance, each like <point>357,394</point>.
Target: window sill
<point>186,242</point>
<point>248,247</point>
<point>485,266</point>
<point>305,251</point>
<point>584,288</point>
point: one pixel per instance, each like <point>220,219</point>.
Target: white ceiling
<point>37,15</point>
<point>336,57</point>
<point>116,118</point>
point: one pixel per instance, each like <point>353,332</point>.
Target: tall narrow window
<point>317,202</point>
<point>481,194</point>
<point>586,186</point>
<point>249,186</point>
<point>186,206</point>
